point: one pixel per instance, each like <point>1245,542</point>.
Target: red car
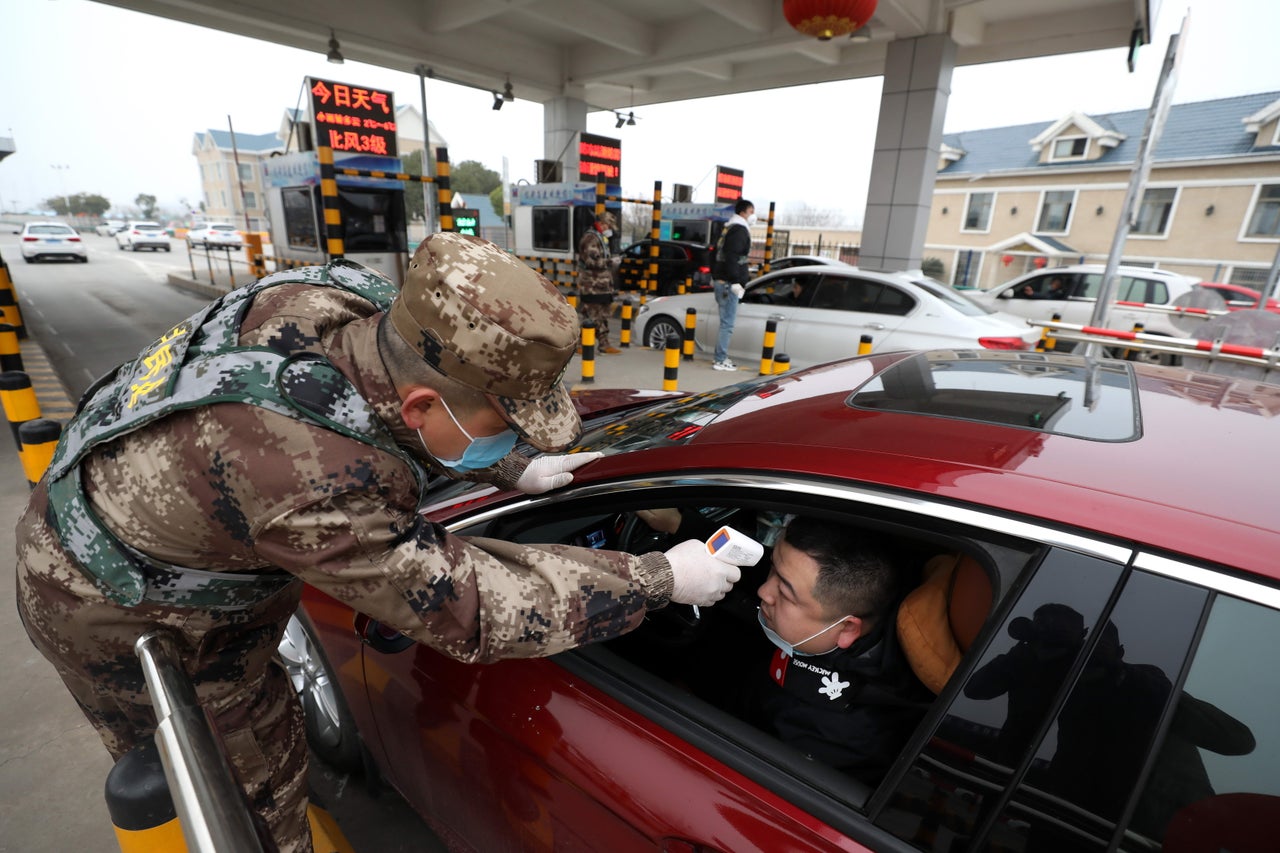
<point>1107,591</point>
<point>1238,297</point>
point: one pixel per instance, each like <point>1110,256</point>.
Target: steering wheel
<point>680,621</point>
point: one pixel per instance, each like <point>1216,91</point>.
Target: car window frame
<point>811,790</point>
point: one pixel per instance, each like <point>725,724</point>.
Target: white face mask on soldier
<point>751,220</point>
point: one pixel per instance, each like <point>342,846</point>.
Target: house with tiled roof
<point>217,153</point>
<point>1010,199</point>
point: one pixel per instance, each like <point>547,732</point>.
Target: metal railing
<point>210,805</point>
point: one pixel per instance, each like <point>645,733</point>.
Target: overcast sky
<point>115,97</point>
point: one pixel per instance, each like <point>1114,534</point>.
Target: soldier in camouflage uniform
<point>595,280</point>
<point>284,435</point>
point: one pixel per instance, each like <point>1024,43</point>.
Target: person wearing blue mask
<point>838,687</point>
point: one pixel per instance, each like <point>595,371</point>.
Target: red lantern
<point>1006,259</point>
<point>1040,262</point>
<point>826,19</point>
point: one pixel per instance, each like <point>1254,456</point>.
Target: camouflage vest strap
<point>198,363</point>
<point>150,378</point>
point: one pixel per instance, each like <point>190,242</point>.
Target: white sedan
<point>42,240</point>
<point>215,234</point>
<point>822,313</point>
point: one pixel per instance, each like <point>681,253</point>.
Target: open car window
<point>702,674</point>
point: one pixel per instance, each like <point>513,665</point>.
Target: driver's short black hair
<point>855,573</point>
<point>742,206</point>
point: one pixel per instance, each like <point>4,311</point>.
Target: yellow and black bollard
<point>10,352</point>
<point>671,364</point>
<point>686,286</point>
<point>690,326</point>
<point>781,363</point>
<point>589,351</point>
<point>766,353</point>
<point>571,296</point>
<point>140,805</point>
<point>37,439</point>
<point>1047,341</point>
<point>1130,354</point>
<point>9,312</point>
<point>253,250</point>
<point>864,345</point>
<point>624,336</point>
<point>19,400</point>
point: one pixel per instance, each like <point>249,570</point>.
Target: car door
<point>780,298</point>
<point>1117,705</point>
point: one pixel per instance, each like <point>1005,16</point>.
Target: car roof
<point>1146,272</point>
<point>1170,487</point>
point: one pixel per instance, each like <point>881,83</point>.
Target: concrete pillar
<point>913,104</point>
<point>563,119</point>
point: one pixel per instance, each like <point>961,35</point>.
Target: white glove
<point>738,290</point>
<point>700,579</point>
<point>552,472</point>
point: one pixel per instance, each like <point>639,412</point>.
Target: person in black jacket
<point>838,686</point>
<point>731,274</point>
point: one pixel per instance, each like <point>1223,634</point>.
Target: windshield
<point>222,228</point>
<point>146,226</point>
<point>49,229</point>
<point>955,299</point>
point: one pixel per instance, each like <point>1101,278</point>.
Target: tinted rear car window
<point>49,229</point>
<point>1063,396</point>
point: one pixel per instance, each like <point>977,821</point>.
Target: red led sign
<point>352,118</point>
<point>728,184</point>
<point>599,156</point>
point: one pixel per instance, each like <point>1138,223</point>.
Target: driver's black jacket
<point>852,709</point>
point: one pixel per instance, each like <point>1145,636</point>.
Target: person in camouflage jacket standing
<point>284,435</point>
<point>595,279</point>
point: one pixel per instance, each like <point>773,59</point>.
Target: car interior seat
<point>940,619</point>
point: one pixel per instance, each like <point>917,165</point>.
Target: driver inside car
<point>835,685</point>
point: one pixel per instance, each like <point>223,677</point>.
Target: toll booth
<point>373,221</point>
<point>548,220</point>
<point>696,222</point>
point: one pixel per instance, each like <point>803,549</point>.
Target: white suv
<point>142,235</point>
<point>1037,296</point>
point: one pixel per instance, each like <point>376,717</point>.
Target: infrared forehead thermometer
<point>734,547</point>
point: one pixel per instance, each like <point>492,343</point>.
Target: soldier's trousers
<point>600,314</point>
<point>231,659</point>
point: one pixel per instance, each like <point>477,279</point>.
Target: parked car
<point>1035,297</point>
<point>1103,602</point>
<point>217,234</point>
<point>678,262</point>
<point>789,261</point>
<point>42,240</point>
<point>1238,297</point>
<point>143,235</point>
<point>822,312</point>
<point>109,227</point>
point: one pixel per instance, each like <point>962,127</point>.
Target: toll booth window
<point>299,219</point>
<point>372,219</point>
<point>551,228</point>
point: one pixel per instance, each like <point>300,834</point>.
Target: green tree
<point>934,268</point>
<point>474,178</point>
<point>412,163</point>
<point>495,199</point>
<point>147,204</point>
<point>80,204</point>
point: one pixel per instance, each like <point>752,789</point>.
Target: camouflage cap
<point>485,319</point>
